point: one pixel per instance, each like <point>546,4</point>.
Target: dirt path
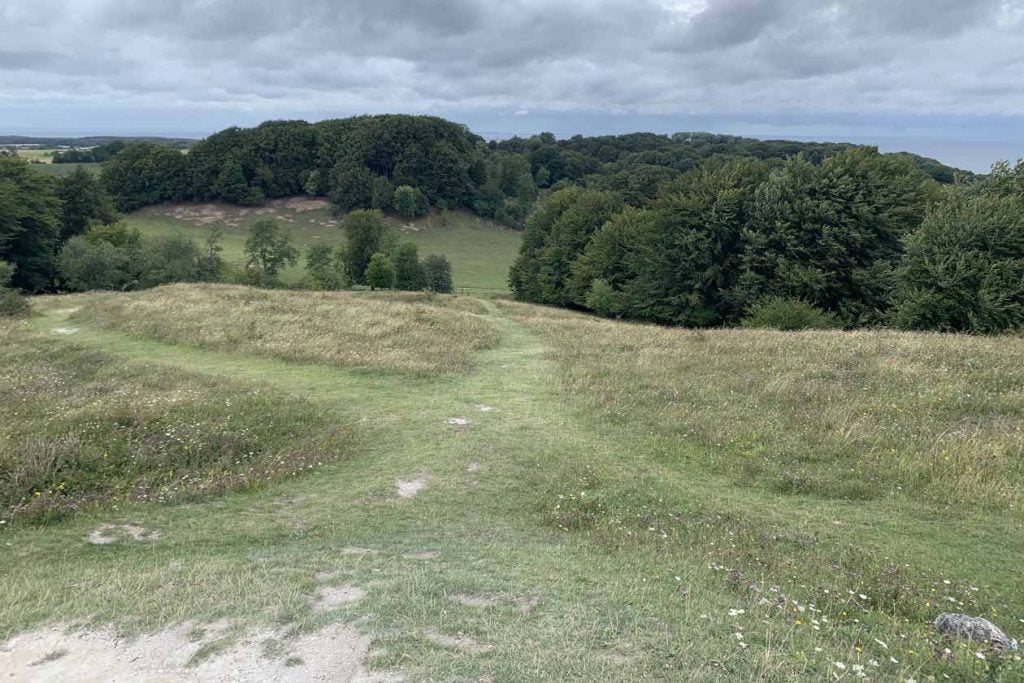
<point>505,381</point>
<point>465,580</point>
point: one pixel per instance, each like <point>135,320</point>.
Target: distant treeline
<point>360,162</point>
<point>92,141</point>
<point>94,155</point>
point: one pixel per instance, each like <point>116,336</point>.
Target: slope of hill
<point>480,251</point>
<point>584,500</point>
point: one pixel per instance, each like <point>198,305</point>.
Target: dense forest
<point>860,239</point>
<point>360,162</point>
<point>692,229</point>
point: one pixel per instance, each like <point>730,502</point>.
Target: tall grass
<point>413,332</point>
<point>840,415</point>
<point>79,427</point>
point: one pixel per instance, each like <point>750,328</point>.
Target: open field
<point>481,252</point>
<point>40,155</point>
<point>42,161</point>
<point>61,170</point>
<point>571,499</point>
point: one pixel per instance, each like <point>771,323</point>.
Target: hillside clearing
<point>481,252</point>
<point>609,493</point>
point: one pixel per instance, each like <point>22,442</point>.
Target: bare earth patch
<point>112,533</point>
<point>337,653</point>
<point>301,204</point>
<point>524,603</point>
<point>425,555</point>
<point>408,489</point>
<point>332,597</point>
<point>460,642</point>
<point>353,550</point>
<point>479,601</point>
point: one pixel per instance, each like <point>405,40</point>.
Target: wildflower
<point>840,666</point>
<point>979,655</point>
<point>862,596</point>
<point>737,612</point>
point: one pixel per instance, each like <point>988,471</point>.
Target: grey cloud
<point>935,18</point>
<point>649,56</point>
<point>727,23</point>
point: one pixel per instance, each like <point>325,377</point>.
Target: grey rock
<point>974,628</point>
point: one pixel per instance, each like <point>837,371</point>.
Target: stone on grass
<point>974,628</point>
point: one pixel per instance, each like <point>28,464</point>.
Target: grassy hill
<point>451,488</point>
<point>481,252</point>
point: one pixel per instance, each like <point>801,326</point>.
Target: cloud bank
<point>769,60</point>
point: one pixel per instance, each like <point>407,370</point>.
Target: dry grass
<point>79,427</point>
<point>845,415</point>
<point>412,332</point>
<point>668,505</point>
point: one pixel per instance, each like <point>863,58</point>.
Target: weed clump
<point>787,315</point>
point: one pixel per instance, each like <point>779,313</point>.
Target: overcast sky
<point>941,77</point>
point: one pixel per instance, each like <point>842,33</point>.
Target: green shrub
<point>410,202</point>
<point>409,274</point>
<point>164,259</point>
<point>783,313</point>
<point>6,273</point>
<point>12,303</point>
<point>438,273</point>
<point>323,267</point>
<point>86,264</point>
<point>380,274</point>
<point>604,299</point>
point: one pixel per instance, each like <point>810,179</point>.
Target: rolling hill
<point>416,487</point>
<point>480,251</point>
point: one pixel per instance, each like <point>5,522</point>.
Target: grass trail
<point>583,605</point>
